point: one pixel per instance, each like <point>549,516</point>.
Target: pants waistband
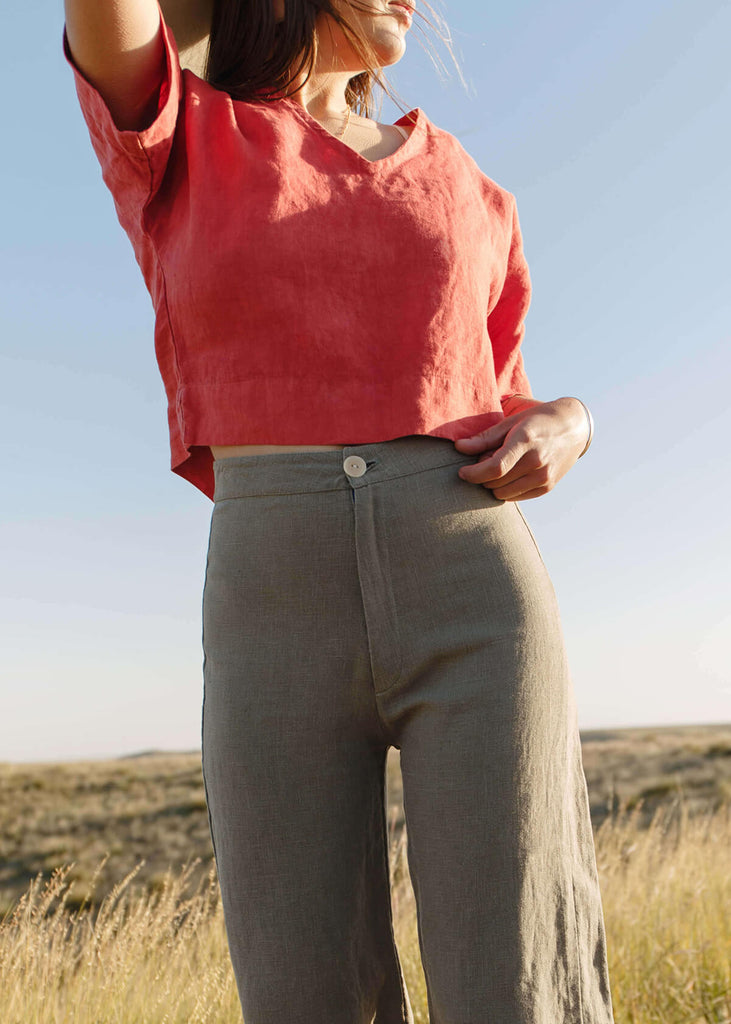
<point>357,465</point>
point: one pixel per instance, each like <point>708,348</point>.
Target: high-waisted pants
<point>370,598</point>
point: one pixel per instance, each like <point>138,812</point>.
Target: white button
<point>354,465</point>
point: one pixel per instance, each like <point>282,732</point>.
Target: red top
<point>304,294</point>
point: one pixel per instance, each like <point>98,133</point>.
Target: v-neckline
<point>415,117</point>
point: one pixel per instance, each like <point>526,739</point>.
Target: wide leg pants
<point>370,598</point>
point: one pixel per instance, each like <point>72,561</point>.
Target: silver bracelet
<point>591,425</point>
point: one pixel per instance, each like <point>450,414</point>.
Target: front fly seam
<point>394,609</point>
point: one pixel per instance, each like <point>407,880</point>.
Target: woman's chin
<point>392,52</point>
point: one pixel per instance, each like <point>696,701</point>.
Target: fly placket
<point>379,606</point>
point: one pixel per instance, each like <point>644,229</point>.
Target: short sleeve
<point>133,163</point>
<point>506,320</point>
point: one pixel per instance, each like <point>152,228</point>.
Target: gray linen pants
<point>371,598</point>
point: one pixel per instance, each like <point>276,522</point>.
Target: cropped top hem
<point>208,412</point>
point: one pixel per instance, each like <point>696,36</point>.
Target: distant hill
<point>150,805</point>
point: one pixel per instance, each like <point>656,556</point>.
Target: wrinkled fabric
<point>399,607</point>
<point>302,293</point>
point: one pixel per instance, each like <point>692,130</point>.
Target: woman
<point>340,307</point>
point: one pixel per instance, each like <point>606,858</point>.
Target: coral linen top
<point>302,293</point>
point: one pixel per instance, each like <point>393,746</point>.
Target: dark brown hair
<point>253,57</point>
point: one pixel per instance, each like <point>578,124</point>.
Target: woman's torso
<point>392,136</point>
<point>190,22</point>
<point>229,451</point>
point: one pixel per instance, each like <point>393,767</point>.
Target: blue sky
<point>610,125</point>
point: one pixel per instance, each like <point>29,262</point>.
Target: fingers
<point>522,456</point>
<point>493,437</point>
<point>537,493</point>
<point>528,477</point>
<point>500,467</point>
<point>528,486</point>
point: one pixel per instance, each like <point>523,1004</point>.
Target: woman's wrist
<point>585,419</point>
<point>579,413</point>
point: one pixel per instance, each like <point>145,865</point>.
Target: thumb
<point>492,437</point>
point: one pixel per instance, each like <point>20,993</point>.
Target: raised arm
<point>117,46</point>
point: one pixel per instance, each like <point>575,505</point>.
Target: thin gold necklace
<point>344,128</point>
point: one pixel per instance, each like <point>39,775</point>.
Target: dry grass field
<point>109,909</point>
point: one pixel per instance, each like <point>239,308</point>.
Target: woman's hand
<point>529,451</point>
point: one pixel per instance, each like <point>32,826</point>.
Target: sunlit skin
<point>526,453</point>
<point>323,94</point>
<point>531,449</point>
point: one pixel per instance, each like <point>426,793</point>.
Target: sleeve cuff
<point>152,144</point>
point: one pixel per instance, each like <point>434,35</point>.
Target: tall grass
<point>160,956</point>
<point>667,908</point>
